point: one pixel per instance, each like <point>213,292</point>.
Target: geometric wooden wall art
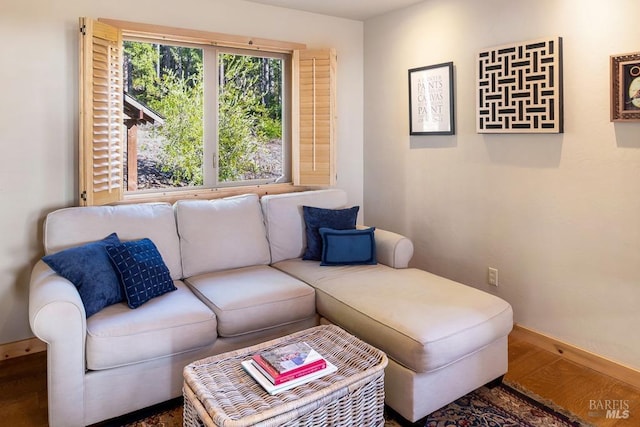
<point>520,88</point>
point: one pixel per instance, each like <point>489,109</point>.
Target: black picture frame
<point>431,100</point>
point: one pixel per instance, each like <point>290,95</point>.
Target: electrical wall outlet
<point>493,276</point>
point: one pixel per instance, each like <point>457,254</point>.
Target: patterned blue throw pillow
<point>348,247</point>
<point>89,268</point>
<point>315,218</point>
<point>143,273</point>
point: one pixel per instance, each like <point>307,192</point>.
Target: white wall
<point>558,215</point>
<point>38,115</point>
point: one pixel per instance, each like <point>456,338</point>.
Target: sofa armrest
<point>392,249</point>
<point>57,317</point>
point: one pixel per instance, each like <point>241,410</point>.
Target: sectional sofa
<point>239,280</point>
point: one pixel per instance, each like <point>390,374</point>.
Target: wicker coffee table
<point>219,392</point>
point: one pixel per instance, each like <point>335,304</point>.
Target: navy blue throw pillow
<point>348,247</point>
<point>315,218</point>
<point>143,273</point>
<point>89,268</point>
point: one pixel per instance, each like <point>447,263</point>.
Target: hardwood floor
<point>582,391</point>
<point>23,392</point>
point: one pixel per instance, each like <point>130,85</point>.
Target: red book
<point>277,378</point>
<point>289,357</point>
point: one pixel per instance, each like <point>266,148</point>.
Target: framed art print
<point>625,87</point>
<point>431,100</point>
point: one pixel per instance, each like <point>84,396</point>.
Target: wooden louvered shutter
<point>101,125</point>
<point>314,117</point>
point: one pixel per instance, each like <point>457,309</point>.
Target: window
<point>218,116</point>
<point>164,110</point>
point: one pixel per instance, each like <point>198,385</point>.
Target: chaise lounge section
<point>240,280</point>
<point>443,339</point>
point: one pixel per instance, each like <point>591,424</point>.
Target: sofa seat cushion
<point>420,320</point>
<point>254,298</point>
<point>172,323</point>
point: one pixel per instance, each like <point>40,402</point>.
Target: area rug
<point>506,405</point>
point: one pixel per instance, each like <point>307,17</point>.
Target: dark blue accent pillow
<point>143,273</point>
<point>348,247</point>
<point>89,268</point>
<point>315,218</point>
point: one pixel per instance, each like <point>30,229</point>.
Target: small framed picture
<point>625,87</point>
<point>431,100</point>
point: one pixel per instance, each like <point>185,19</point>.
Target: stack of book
<point>288,366</point>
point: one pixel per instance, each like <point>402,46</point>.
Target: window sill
<point>171,196</point>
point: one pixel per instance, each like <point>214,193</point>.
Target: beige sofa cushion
<point>285,222</point>
<point>221,234</point>
<point>254,298</point>
<point>170,324</point>
<point>420,320</point>
<point>69,227</point>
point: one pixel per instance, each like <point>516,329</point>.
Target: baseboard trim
<point>575,354</point>
<point>22,348</point>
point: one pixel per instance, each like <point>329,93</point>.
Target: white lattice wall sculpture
<point>520,88</point>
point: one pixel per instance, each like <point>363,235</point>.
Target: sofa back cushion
<point>75,226</point>
<point>221,234</point>
<point>285,221</point>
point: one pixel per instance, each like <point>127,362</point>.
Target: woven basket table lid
<point>231,397</point>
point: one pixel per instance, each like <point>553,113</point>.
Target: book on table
<point>277,378</point>
<point>289,357</point>
<point>287,366</point>
<point>289,362</point>
<point>272,389</point>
